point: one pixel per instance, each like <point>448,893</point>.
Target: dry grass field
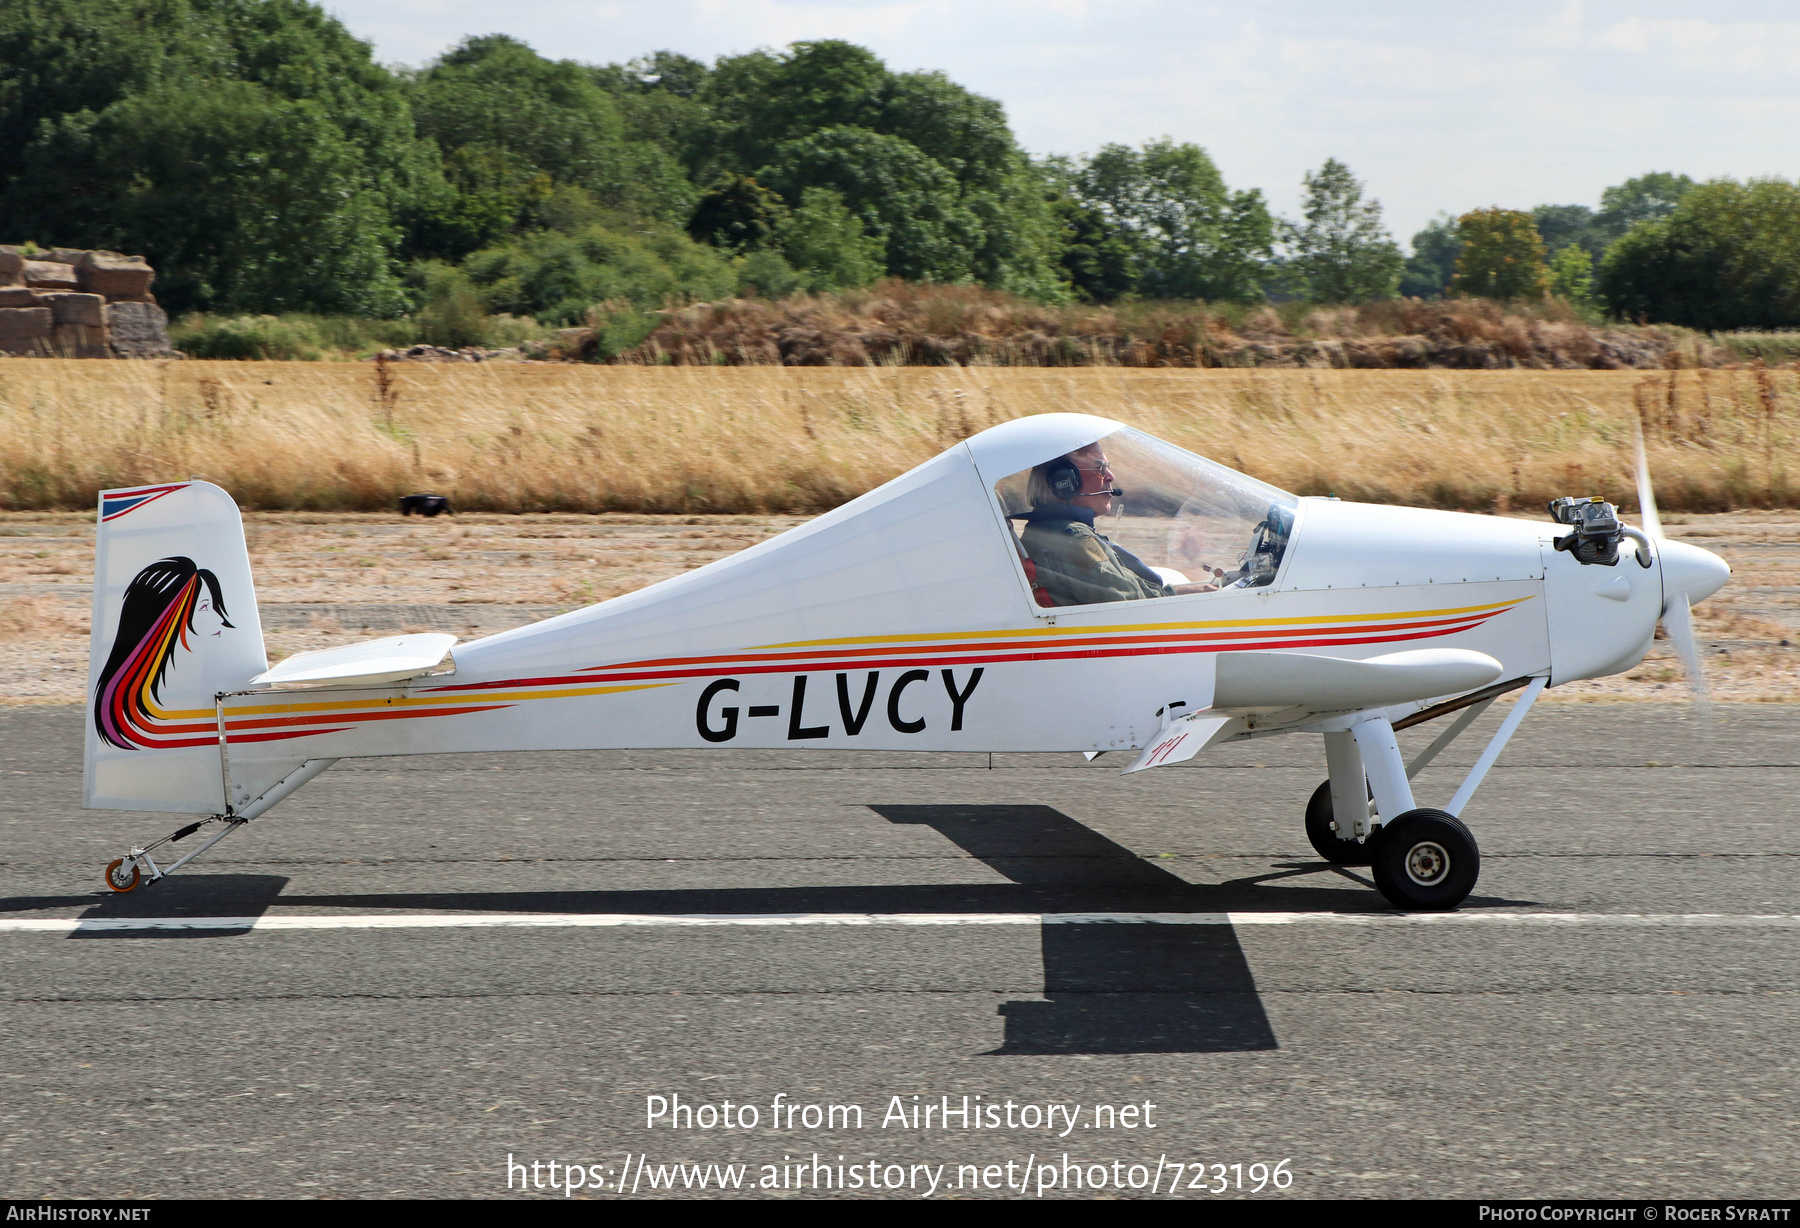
<point>518,437</point>
<point>332,578</point>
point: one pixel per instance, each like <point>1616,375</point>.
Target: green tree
<point>511,123</point>
<point>1502,256</point>
<point>947,188</point>
<point>1432,265</point>
<point>244,201</point>
<point>85,80</point>
<point>1191,236</point>
<point>1096,259</point>
<point>964,132</point>
<point>1648,198</point>
<point>827,244</point>
<point>738,214</point>
<point>908,200</point>
<point>660,72</point>
<point>763,100</point>
<point>1340,252</point>
<point>1727,256</point>
<point>1561,225</point>
<point>1572,275</point>
<point>659,103</point>
<point>63,57</point>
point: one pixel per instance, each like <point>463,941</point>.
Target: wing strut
<point>1501,737</point>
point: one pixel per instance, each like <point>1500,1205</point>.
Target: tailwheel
<point>122,875</point>
<point>1324,837</point>
<point>1425,860</point>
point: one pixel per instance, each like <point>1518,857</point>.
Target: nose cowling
<point>1689,569</point>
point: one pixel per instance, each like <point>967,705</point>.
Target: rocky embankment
<point>944,326</point>
<point>67,303</point>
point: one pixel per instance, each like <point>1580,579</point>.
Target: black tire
<point>1426,861</point>
<point>1326,841</point>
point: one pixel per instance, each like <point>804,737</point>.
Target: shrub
<point>827,243</point>
<point>555,278</point>
<point>289,339</point>
<point>768,273</point>
<point>1572,274</point>
<point>450,309</point>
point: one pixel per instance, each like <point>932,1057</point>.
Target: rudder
<point>175,622</point>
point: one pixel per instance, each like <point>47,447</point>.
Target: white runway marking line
<point>407,921</point>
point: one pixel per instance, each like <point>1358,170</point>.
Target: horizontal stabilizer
<point>1181,741</point>
<point>371,663</point>
<point>1330,684</point>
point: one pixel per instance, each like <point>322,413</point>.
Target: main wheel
<point>118,880</point>
<point>1325,840</point>
<point>1426,860</point>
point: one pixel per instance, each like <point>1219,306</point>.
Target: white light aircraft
<point>1003,596</point>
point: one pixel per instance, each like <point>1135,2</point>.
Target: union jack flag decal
<point>115,503</point>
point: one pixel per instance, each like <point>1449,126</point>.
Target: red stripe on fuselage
<point>798,663</point>
<point>983,655</point>
<point>828,654</point>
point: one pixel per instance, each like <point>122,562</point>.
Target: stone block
<point>25,330</point>
<point>65,255</point>
<point>12,263</point>
<point>138,330</point>
<point>88,309</point>
<point>119,278</point>
<point>20,296</point>
<point>51,275</point>
<point>79,341</point>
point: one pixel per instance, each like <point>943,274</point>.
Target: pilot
<point>1076,564</point>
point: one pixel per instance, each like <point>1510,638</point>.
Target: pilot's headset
<point>1064,478</point>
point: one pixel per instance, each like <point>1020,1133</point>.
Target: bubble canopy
<point>1168,522</point>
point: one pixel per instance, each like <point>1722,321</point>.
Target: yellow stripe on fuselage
<point>1302,620</point>
<point>442,701</point>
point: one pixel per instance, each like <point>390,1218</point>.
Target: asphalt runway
<point>1613,1013</point>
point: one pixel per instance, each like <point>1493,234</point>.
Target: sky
<point>1439,105</point>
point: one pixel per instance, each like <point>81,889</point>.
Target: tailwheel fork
<point>122,874</point>
<point>125,873</point>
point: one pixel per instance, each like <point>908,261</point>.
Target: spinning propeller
<point>1689,574</point>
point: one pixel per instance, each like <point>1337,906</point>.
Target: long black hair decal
<point>158,612</point>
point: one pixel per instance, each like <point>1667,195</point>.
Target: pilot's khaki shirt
<point>1076,565</point>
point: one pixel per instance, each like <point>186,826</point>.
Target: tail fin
<point>174,624</point>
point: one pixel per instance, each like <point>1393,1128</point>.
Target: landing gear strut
<point>122,874</point>
<point>1421,858</point>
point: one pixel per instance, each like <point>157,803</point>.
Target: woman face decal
<point>208,621</point>
<point>169,603</point>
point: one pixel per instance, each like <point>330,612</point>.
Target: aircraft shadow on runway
<point>183,895</point>
<point>1108,988</point>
